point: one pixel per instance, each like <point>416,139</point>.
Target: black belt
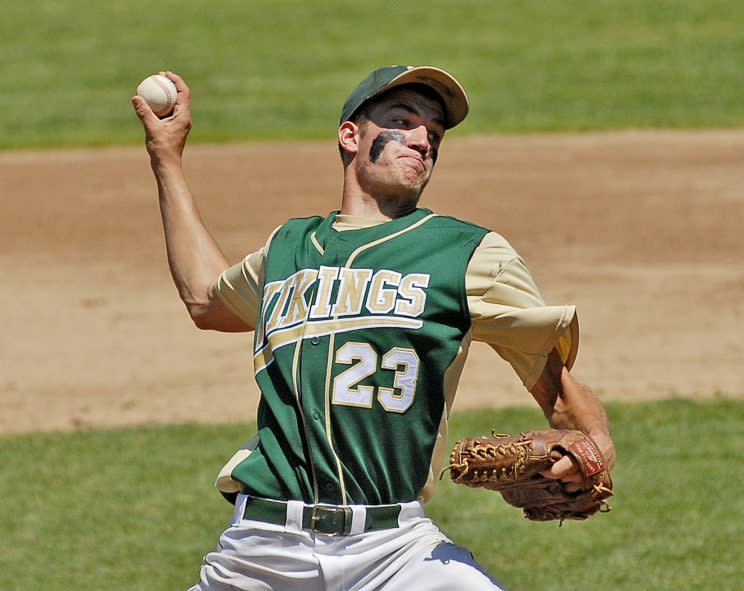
<point>324,519</point>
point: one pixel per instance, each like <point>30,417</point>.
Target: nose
<point>418,139</point>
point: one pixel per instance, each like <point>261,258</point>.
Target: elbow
<point>200,316</point>
<point>211,314</point>
<point>214,317</point>
<point>201,322</point>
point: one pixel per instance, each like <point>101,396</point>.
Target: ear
<point>348,137</point>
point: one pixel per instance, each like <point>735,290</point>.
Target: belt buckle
<point>345,511</point>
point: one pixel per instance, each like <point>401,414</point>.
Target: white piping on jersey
<point>317,245</point>
<point>295,367</point>
<point>327,410</point>
<point>280,338</point>
<point>329,365</point>
<point>439,452</point>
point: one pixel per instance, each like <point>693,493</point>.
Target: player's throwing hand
<point>165,138</point>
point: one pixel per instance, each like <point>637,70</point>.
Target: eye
<point>434,137</point>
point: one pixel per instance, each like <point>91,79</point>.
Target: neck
<point>358,202</point>
<point>377,209</point>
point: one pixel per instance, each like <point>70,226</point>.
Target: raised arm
<point>569,404</point>
<point>194,258</point>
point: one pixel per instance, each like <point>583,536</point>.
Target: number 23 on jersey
<point>363,361</point>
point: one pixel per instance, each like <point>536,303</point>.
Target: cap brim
<point>452,93</point>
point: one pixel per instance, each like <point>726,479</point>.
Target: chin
<point>415,180</point>
<point>416,185</point>
<point>403,191</point>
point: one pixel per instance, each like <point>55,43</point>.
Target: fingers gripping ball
<point>511,465</point>
<point>160,93</point>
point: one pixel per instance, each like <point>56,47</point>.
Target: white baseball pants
<point>258,556</point>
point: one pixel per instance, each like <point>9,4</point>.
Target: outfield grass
<point>281,68</point>
<point>134,509</point>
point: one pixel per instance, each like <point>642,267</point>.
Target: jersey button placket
<point>306,400</point>
<point>314,356</point>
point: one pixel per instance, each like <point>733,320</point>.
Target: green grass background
<point>282,68</point>
<point>134,509</point>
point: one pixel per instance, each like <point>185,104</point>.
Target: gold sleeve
<point>508,312</point>
<point>240,286</point>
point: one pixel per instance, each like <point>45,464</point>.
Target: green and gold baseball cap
<point>451,92</point>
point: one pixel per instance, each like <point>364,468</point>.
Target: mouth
<point>416,161</point>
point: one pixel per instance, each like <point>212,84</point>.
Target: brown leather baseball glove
<point>511,465</point>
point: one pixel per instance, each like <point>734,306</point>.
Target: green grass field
<point>134,509</point>
<point>281,68</point>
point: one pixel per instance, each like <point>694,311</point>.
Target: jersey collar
<point>326,231</point>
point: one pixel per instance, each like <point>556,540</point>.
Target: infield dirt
<point>644,231</point>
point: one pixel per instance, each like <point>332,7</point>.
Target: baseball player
<point>362,323</point>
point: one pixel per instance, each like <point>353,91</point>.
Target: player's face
<point>399,145</point>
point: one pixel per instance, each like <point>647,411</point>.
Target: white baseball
<point>160,93</point>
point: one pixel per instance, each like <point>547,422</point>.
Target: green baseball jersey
<point>359,343</point>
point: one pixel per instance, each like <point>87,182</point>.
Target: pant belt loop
<point>294,515</point>
<point>239,508</point>
<point>358,519</point>
<point>410,511</point>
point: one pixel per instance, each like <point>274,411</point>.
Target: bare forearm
<point>577,407</point>
<point>569,404</point>
<point>194,258</point>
